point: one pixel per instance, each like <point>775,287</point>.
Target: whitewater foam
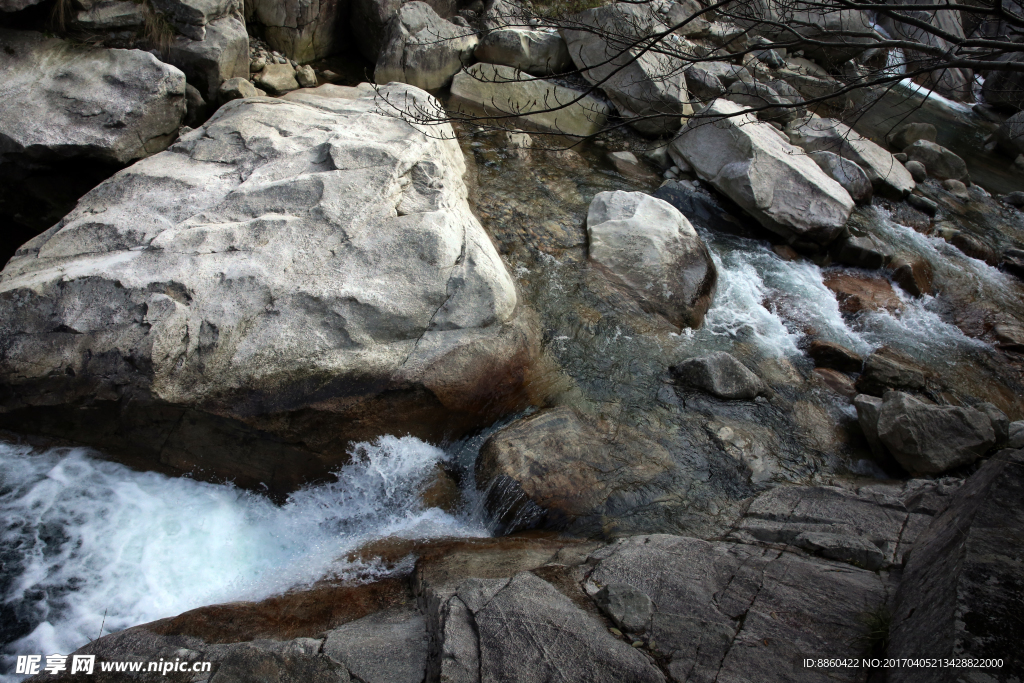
<point>90,544</point>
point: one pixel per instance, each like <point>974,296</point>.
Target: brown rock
<point>890,369</point>
<point>1010,336</point>
<point>857,293</point>
<point>973,247</point>
<point>835,356</point>
<point>912,274</point>
<point>836,381</point>
<point>785,252</point>
<point>443,492</point>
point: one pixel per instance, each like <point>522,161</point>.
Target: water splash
<point>83,538</point>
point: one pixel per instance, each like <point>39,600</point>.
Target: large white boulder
<point>647,86</point>
<point>887,175</point>
<point>289,277</point>
<point>422,49</point>
<point>506,91</point>
<point>60,100</point>
<point>775,182</point>
<point>650,246</point>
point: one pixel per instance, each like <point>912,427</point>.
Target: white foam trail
<point>92,537</point>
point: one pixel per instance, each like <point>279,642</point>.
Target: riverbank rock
<point>536,52</point>
<point>888,176</point>
<point>504,90</point>
<point>277,79</point>
<point>191,18</point>
<point>940,163</point>
<point>325,282</point>
<point>647,88</point>
<point>845,172</point>
<point>62,101</point>
<point>721,375</point>
<point>960,594</point>
<point>304,30</point>
<point>930,439</point>
<point>773,181</point>
<point>422,49</point>
<point>372,18</point>
<point>222,54</point>
<point>650,246</point>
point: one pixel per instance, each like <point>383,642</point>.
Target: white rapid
<point>90,546</point>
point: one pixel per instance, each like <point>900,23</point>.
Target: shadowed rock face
<point>60,101</point>
<point>289,277</point>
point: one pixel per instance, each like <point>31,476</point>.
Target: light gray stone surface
<point>651,247</point>
<point>747,161</point>
<point>387,647</point>
<point>719,374</point>
<point>504,90</point>
<point>888,176</point>
<point>373,16</point>
<point>845,172</point>
<point>628,607</point>
<point>940,162</point>
<point>59,100</point>
<point>422,49</point>
<point>647,87</point>
<point>277,79</point>
<point>192,17</point>
<point>303,255</point>
<point>222,54</point>
<point>537,52</point>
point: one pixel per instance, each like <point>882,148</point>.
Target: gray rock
<point>222,54</point>
<point>647,87</point>
<point>1000,422</point>
<point>725,610</point>
<point>907,134</point>
<point>721,375</point>
<point>650,246</point>
<point>702,83</point>
<point>922,203</point>
<point>748,162</point>
<point>16,5</point>
<point>888,176</point>
<point>306,76</point>
<point>277,78</point>
<point>110,16</point>
<point>960,593</point>
<point>236,89</point>
<point>304,30</point>
<point>373,16</point>
<point>503,90</point>
<point>686,17</point>
<point>763,100</point>
<point>868,408</point>
<point>195,108</point>
<point>1016,435</point>
<point>522,629</point>
<point>192,17</point>
<point>929,439</point>
<point>289,662</point>
<point>845,172</point>
<point>886,369</point>
<point>861,251</point>
<point>387,647</point>
<point>954,83</point>
<point>940,162</point>
<point>917,171</point>
<point>1005,88</point>
<point>629,608</point>
<point>59,101</point>
<point>537,52</point>
<point>1011,134</point>
<point>422,49</point>
<point>836,356</point>
<point>326,254</point>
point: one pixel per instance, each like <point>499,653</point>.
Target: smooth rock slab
<point>773,181</point>
<point>648,244</point>
<point>506,91</point>
<point>59,100</point>
<point>292,276</point>
<point>845,172</point>
<point>386,647</point>
<point>537,52</point>
<point>939,161</point>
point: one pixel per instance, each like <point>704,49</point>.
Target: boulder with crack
<point>537,52</point>
<point>222,54</point>
<point>772,180</point>
<point>290,277</point>
<point>59,100</point>
<point>304,30</point>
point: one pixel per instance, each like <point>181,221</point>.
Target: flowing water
<point>91,547</point>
